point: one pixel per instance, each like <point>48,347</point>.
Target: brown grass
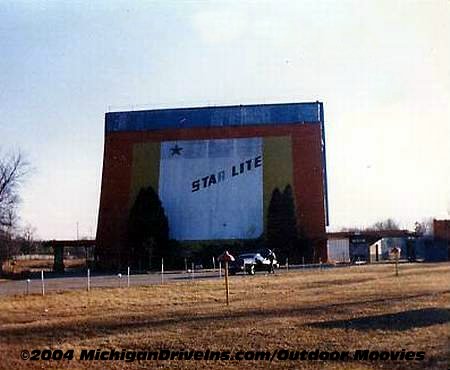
<point>337,309</point>
<point>36,265</point>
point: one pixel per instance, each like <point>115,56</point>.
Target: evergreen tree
<point>289,223</point>
<point>273,235</point>
<point>148,230</point>
<point>282,230</point>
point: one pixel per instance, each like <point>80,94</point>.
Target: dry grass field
<point>335,309</point>
<point>36,265</point>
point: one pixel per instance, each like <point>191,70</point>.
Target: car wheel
<point>251,270</point>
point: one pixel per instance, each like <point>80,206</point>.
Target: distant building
<point>382,249</point>
<point>368,246</point>
<point>441,234</point>
<point>338,250</point>
<point>376,246</point>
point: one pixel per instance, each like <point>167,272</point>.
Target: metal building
<point>338,250</point>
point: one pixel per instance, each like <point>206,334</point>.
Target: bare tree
<point>351,229</point>
<point>424,227</point>
<point>27,239</point>
<point>388,224</point>
<point>13,168</point>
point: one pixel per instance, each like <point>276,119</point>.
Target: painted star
<point>176,150</point>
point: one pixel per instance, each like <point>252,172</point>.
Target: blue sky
<point>382,69</point>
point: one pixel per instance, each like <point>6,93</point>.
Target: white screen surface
<point>212,189</point>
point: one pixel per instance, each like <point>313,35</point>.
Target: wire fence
<point>46,282</point>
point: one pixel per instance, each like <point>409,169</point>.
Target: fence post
<point>88,280</point>
<point>220,269</point>
<point>214,264</point>
<point>28,286</point>
<point>128,277</point>
<point>396,252</point>
<point>42,281</point>
<point>119,275</point>
<point>192,265</point>
<point>226,257</point>
<point>162,270</point>
<point>227,287</point>
<point>287,264</point>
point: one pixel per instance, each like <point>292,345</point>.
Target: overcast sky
<point>382,69</point>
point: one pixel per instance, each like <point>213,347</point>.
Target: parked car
<point>249,263</point>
